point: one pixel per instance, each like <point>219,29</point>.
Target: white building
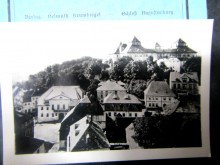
<point>158,96</point>
<point>86,135</point>
<point>135,50</point>
<point>171,63</point>
<point>122,105</point>
<point>57,101</point>
<point>185,83</point>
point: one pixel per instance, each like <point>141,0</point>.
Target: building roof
<point>92,131</point>
<point>38,92</point>
<point>170,108</point>
<point>110,86</point>
<point>121,98</point>
<point>139,49</point>
<point>28,145</point>
<point>175,76</point>
<point>83,108</point>
<point>159,88</point>
<point>71,92</point>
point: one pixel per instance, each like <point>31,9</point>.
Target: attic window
<point>77,132</point>
<point>127,97</point>
<point>76,126</point>
<point>115,97</point>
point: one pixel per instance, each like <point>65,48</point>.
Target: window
<point>52,107</point>
<point>149,98</point>
<point>106,93</point>
<point>156,104</point>
<point>184,86</point>
<point>115,113</point>
<point>149,104</point>
<point>164,98</point>
<point>152,104</point>
<point>42,108</point>
<point>123,114</point>
<point>47,114</point>
<point>130,114</point>
<point>56,114</point>
<point>76,126</point>
<point>25,111</point>
<point>184,80</point>
<point>47,108</point>
<point>109,114</point>
<point>174,86</point>
<point>135,114</point>
<point>64,107</point>
<point>77,132</point>
<point>42,115</point>
<point>178,86</point>
<point>52,114</point>
<point>58,107</point>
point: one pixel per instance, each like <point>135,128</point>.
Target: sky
<point>27,48</point>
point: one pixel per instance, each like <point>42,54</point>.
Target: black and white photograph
<point>76,90</point>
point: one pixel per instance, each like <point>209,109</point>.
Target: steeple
<point>135,41</point>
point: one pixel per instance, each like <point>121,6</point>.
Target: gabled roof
<point>92,131</point>
<point>139,49</point>
<point>72,92</point>
<point>120,98</point>
<point>118,51</point>
<point>159,88</point>
<point>175,76</point>
<point>27,145</point>
<point>110,86</point>
<point>83,108</point>
<point>181,46</point>
<point>170,108</point>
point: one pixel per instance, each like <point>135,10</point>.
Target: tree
<point>168,131</point>
<point>104,75</point>
<point>137,88</point>
<point>136,70</point>
<point>193,65</point>
<point>94,68</point>
<point>118,69</point>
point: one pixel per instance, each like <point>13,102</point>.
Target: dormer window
<point>127,97</point>
<point>115,96</point>
<point>76,126</point>
<point>184,80</point>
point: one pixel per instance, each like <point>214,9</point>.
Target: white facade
<point>57,101</point>
<point>158,95</point>
<point>159,101</point>
<point>76,132</point>
<point>124,114</point>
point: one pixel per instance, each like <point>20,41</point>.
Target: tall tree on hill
<point>136,70</point>
<point>118,69</point>
<point>193,65</point>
